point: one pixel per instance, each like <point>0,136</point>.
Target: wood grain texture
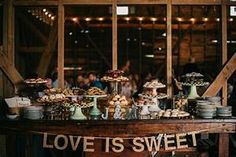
<point>222,77</point>
<point>60,57</point>
<point>133,128</point>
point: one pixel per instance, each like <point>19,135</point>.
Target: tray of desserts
<point>173,114</point>
<point>150,96</point>
<point>154,84</point>
<point>35,81</point>
<point>52,98</point>
<point>95,92</point>
<point>114,76</point>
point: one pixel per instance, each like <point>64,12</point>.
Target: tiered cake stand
<point>152,101</point>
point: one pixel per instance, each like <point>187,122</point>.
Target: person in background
<point>94,82</point>
<point>80,81</point>
<point>191,66</point>
<point>55,81</point>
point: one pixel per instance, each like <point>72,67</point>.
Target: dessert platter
<point>95,93</point>
<point>35,81</point>
<point>114,76</point>
<point>193,80</point>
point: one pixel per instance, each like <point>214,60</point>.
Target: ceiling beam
<point>48,52</point>
<point>34,28</point>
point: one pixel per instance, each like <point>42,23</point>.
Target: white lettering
<point>118,146</point>
<point>65,142</point>
<point>87,143</point>
<point>138,146</point>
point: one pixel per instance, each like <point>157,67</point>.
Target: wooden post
<point>8,30</point>
<point>223,145</point>
<point>60,57</point>
<point>114,36</point>
<point>224,49</point>
<point>169,49</point>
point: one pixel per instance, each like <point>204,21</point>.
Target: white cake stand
<point>193,89</point>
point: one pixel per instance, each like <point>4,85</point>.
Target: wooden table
<point>132,128</point>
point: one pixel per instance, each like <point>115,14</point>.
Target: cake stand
<point>193,89</point>
<point>95,113</point>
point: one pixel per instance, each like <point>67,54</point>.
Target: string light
<point>192,19</point>
<point>153,19</point>
<point>140,19</point>
<point>218,19</point>
<point>231,19</point>
<point>75,19</point>
<point>100,19</point>
<point>127,18</point>
<point>205,19</point>
<point>179,19</point>
<point>88,19</point>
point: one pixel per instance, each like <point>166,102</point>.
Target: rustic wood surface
<point>120,128</point>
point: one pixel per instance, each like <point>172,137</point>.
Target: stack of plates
<point>215,100</point>
<point>205,109</point>
<point>224,111</point>
<point>33,112</point>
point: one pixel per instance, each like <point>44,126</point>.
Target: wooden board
<point>9,69</point>
<point>222,77</point>
<point>121,128</point>
<point>60,57</point>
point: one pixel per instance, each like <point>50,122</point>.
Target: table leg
<point>223,145</point>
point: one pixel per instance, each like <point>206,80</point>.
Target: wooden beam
<point>48,52</point>
<point>8,30</point>
<point>196,2</point>
<point>34,28</point>
<point>33,49</point>
<point>91,2</point>
<point>60,56</point>
<point>141,2</point>
<point>9,69</point>
<point>154,26</point>
<point>119,2</point>
<point>222,77</point>
<point>224,50</point>
<point>114,36</point>
<point>169,50</point>
<point>35,2</point>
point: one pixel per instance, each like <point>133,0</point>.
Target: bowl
<point>224,109</point>
<point>203,102</point>
<point>12,116</point>
<point>206,114</point>
<point>203,106</point>
<point>214,99</point>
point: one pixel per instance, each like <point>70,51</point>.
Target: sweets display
<point>118,99</point>
<point>52,98</point>
<point>95,91</point>
<point>114,76</point>
<point>175,113</point>
<point>193,79</point>
<point>35,81</point>
<point>154,84</point>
